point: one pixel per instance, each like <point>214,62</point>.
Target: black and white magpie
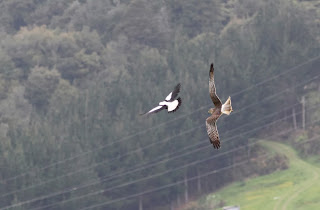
<point>170,103</point>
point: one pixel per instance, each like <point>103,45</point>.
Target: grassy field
<point>298,187</point>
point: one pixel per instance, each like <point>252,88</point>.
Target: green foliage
<point>15,14</point>
<point>98,15</point>
<point>313,101</point>
<point>186,13</point>
<point>294,188</point>
<point>46,10</point>
<point>74,54</point>
<point>40,85</point>
<point>62,96</point>
<point>7,68</point>
<point>152,28</point>
<point>74,76</point>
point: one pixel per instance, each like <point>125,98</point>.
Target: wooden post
<point>178,201</point>
<point>294,118</point>
<point>303,101</point>
<point>186,196</point>
<point>140,203</point>
<point>198,182</point>
<point>86,116</point>
<point>172,206</point>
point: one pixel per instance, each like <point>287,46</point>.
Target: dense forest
<point>76,74</point>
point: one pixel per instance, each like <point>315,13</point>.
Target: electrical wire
<point>145,178</point>
<point>29,187</point>
<point>179,182</point>
<point>153,127</point>
<point>150,145</point>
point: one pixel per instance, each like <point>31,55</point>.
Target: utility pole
<point>198,181</point>
<point>86,116</point>
<point>186,196</point>
<point>303,101</point>
<point>294,118</point>
<point>171,206</point>
<point>140,203</point>
<point>178,201</point>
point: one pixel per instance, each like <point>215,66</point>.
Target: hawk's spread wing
<point>174,93</point>
<point>212,89</point>
<point>213,131</point>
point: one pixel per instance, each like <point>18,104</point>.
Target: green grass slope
<point>298,187</point>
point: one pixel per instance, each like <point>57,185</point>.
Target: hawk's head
<point>211,111</point>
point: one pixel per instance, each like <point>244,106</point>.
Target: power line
<point>180,182</point>
<point>85,168</point>
<point>189,179</point>
<point>108,177</point>
<point>153,127</point>
<point>158,174</point>
<point>278,75</point>
<point>170,185</point>
<point>265,117</point>
<point>97,164</point>
<point>145,178</point>
<point>148,146</point>
<point>115,174</point>
<point>197,144</point>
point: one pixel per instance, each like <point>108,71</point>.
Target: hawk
<point>170,103</point>
<point>216,112</point>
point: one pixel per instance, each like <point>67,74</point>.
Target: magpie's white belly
<point>171,105</point>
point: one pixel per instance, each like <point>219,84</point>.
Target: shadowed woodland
<point>76,74</point>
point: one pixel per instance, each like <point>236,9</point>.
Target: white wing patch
<point>168,97</point>
<point>155,109</point>
<point>163,103</point>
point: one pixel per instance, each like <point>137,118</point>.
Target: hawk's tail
<point>226,107</point>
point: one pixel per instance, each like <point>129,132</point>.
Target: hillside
<point>76,74</point>
<point>297,187</point>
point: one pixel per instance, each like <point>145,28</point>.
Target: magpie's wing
<point>174,93</point>
<point>155,110</point>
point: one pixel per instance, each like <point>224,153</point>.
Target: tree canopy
<point>75,74</point>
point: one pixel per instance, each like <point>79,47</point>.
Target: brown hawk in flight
<point>216,112</point>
